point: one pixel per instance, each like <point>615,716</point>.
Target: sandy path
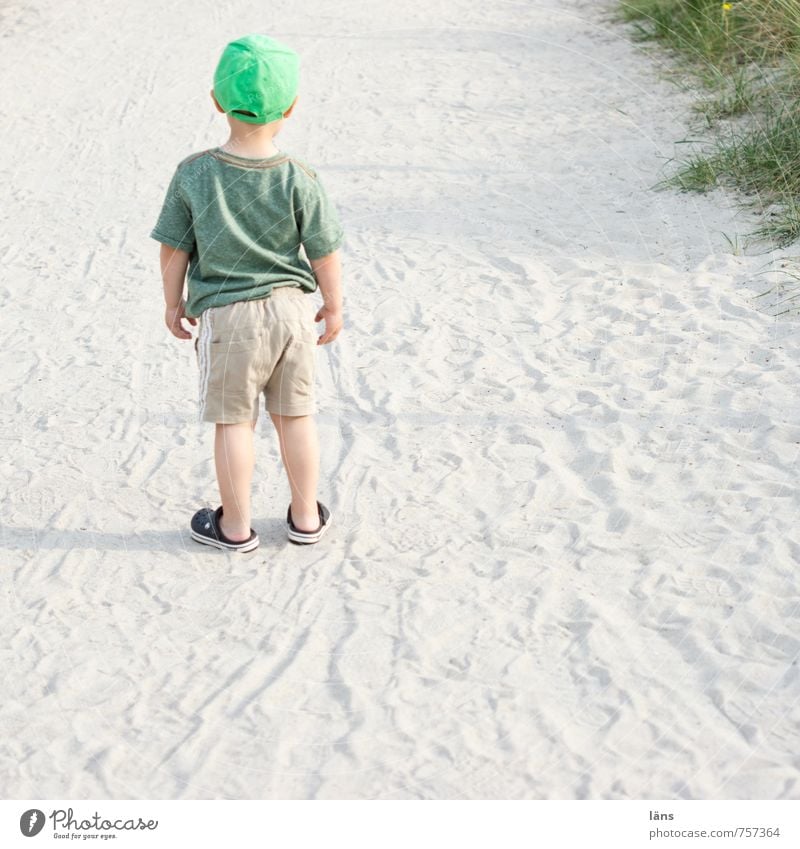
<point>560,438</point>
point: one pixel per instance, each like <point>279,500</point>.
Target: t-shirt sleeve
<point>174,225</point>
<point>317,220</point>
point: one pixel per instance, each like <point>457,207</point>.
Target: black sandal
<point>206,529</point>
<point>306,537</point>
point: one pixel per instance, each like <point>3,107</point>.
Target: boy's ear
<point>288,112</point>
<point>216,103</point>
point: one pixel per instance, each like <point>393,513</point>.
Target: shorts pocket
<point>234,346</point>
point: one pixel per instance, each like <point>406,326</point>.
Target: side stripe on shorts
<point>204,359</point>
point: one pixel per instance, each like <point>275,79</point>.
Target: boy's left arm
<point>174,263</point>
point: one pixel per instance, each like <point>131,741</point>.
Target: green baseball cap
<point>256,79</point>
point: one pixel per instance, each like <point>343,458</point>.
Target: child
<point>236,216</point>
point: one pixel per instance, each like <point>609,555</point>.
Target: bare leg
<point>300,453</point>
<point>233,455</point>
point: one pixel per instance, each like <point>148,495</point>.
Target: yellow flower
<point>726,7</point>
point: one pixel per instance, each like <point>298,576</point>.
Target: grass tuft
<point>746,54</point>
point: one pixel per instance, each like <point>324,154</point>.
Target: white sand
<point>560,435</point>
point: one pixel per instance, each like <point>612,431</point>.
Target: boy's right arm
<point>328,273</point>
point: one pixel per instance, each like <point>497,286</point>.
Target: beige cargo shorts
<point>249,348</point>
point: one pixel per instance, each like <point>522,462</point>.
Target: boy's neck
<point>250,145</point>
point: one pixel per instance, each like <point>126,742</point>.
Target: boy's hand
<point>173,316</point>
<point>334,321</point>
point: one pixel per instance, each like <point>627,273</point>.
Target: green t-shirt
<point>242,222</point>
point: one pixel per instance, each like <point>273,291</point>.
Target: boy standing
<point>236,216</point>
